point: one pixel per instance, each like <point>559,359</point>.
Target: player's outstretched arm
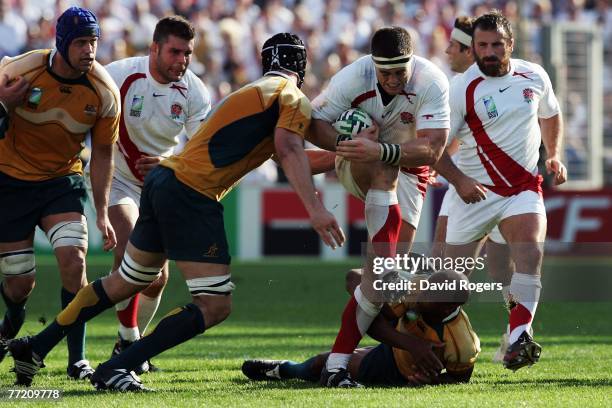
<point>470,190</point>
<point>101,171</point>
<point>322,134</point>
<point>292,157</point>
<point>552,135</point>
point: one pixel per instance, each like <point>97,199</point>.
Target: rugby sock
<point>89,302</point>
<point>127,311</point>
<point>383,221</point>
<point>303,371</point>
<point>175,328</point>
<point>146,310</point>
<point>524,294</point>
<point>76,337</point>
<point>13,317</point>
<point>358,315</point>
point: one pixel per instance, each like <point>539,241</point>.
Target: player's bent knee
<point>18,263</point>
<point>71,261</point>
<point>214,308</point>
<point>137,274</point>
<point>68,233</point>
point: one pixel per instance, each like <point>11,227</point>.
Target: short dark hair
<point>389,42</point>
<point>465,24</point>
<point>173,25</point>
<point>493,21</point>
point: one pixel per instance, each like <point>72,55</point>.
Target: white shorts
<point>470,222</point>
<point>122,190</point>
<point>446,201</point>
<point>495,235</point>
<point>408,194</point>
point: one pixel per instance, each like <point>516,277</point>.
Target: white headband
<point>461,37</point>
<point>395,62</point>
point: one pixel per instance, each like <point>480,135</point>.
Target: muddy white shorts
<point>409,191</point>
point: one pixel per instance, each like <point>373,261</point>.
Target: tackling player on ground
<point>161,98</point>
<point>432,315</point>
<point>502,109</point>
<point>408,97</point>
<point>181,217</point>
<point>41,180</point>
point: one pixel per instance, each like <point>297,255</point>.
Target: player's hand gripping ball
<point>352,121</point>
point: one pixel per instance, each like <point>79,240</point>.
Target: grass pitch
<point>290,310</point>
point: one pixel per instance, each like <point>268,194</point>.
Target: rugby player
<point>499,264</point>
<point>41,179</point>
<point>162,99</point>
<point>435,316</point>
<point>502,109</point>
<point>407,96</point>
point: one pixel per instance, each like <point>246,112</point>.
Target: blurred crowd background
<point>336,32</point>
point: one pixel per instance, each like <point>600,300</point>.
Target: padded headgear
<point>74,23</point>
<point>284,51</point>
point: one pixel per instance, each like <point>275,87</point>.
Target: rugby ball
<point>352,121</point>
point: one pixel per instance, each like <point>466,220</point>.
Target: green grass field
<point>290,310</point>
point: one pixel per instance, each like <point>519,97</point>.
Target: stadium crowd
<point>336,32</point>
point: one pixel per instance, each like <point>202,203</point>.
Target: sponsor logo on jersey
<point>176,111</point>
<point>90,110</point>
<point>156,95</point>
<point>34,98</point>
<point>65,89</point>
<point>427,116</point>
<point>502,90</point>
<point>490,107</point>
<point>406,118</point>
<point>136,108</point>
<point>528,95</point>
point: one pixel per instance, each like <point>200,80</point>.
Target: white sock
<point>146,310</point>
<point>377,204</point>
<point>129,333</point>
<point>525,293</point>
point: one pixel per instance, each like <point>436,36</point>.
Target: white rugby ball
<point>352,121</point>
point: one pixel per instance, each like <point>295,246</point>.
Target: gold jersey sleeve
<point>46,133</point>
<point>238,135</point>
<point>460,351</point>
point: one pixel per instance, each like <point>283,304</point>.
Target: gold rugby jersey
<point>461,348</point>
<point>46,133</point>
<point>238,135</point>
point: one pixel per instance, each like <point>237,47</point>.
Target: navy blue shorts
<point>23,203</point>
<point>179,221</point>
<point>378,368</point>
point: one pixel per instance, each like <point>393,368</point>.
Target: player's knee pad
<point>18,263</point>
<point>137,274</point>
<point>68,233</point>
<point>211,285</point>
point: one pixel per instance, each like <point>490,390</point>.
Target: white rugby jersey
<point>423,104</point>
<point>153,114</point>
<point>496,119</point>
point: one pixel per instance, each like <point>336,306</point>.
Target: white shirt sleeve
<point>199,106</point>
<point>434,112</point>
<point>549,105</point>
<point>457,108</point>
<point>114,70</point>
<point>332,101</point>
